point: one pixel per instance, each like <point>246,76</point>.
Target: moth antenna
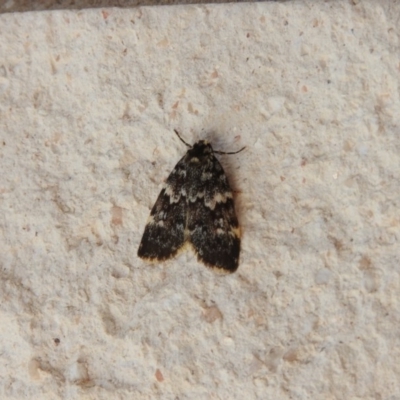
<point>179,136</point>
<point>232,152</point>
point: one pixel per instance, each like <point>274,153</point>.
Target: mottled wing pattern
<point>195,206</point>
<point>212,225</point>
<point>164,233</point>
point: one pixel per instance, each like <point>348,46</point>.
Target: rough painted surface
<point>88,104</point>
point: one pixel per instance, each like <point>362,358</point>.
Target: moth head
<point>200,149</point>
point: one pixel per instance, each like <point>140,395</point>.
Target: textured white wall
<point>88,104</point>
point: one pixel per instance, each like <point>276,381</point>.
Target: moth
<point>196,208</point>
